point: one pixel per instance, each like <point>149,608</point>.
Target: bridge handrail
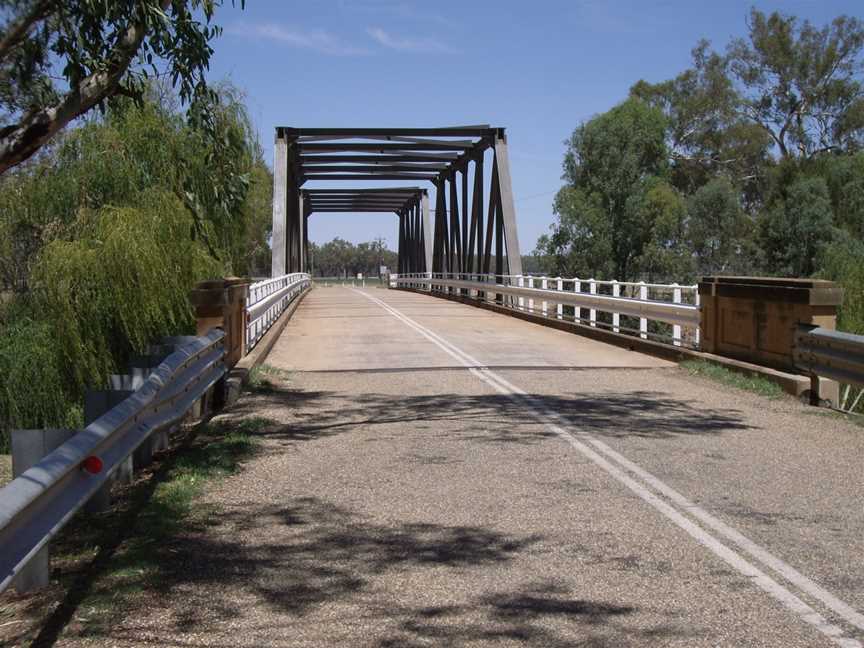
<point>830,354</point>
<point>267,300</point>
<point>487,286</point>
<point>37,504</point>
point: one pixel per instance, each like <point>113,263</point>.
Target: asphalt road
<point>435,474</point>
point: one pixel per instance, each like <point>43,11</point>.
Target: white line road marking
<point>618,471</point>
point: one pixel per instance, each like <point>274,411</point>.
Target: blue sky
<point>537,68</point>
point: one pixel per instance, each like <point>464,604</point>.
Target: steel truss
<point>469,233</point>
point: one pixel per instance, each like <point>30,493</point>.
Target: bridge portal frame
<point>459,241</point>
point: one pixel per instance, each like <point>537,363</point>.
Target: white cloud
<point>311,39</point>
<point>408,44</point>
<point>394,9</point>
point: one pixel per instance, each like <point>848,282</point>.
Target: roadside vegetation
<point>724,376</point>
<point>109,562</point>
<point>265,378</point>
<point>750,162</point>
<point>103,235</point>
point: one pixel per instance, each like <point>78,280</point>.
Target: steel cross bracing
<point>469,234</point>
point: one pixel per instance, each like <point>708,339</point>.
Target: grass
<point>265,378</point>
<point>717,373</point>
<point>108,562</point>
<point>5,468</point>
<point>853,418</point>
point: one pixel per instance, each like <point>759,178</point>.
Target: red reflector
<point>92,465</point>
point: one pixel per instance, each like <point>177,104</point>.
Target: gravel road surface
<point>432,474</point>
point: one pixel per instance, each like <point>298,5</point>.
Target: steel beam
<point>372,168</point>
<point>455,131</point>
<point>508,211</point>
<point>367,190</point>
<point>383,147</point>
<point>426,234</point>
<point>301,219</point>
<point>280,201</point>
<point>379,159</point>
<point>370,176</point>
<point>455,232</point>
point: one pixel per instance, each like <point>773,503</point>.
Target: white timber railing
<point>268,299</point>
<point>665,312</point>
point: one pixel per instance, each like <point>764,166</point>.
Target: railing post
<point>559,308</point>
<point>592,313</point>
<point>544,284</point>
<point>698,326</point>
<point>676,328</point>
<point>221,303</point>
<point>643,323</point>
<point>520,281</point>
<point>577,312</point>
<point>616,317</point>
<point>530,301</point>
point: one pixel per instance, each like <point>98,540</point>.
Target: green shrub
<point>33,391</point>
<point>120,285</point>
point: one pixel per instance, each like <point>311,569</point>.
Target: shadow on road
<point>497,418</point>
<point>277,566</point>
<point>310,553</point>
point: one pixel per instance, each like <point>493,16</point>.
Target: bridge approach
<point>436,474</point>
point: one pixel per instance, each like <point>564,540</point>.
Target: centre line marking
<point>617,465</point>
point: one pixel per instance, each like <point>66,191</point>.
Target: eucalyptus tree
<point>610,163</point>
<point>61,58</point>
<point>706,133</point>
<point>799,83</point>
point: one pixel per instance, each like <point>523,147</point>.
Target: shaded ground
<point>106,565</point>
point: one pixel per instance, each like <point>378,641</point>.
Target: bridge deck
<point>409,494</point>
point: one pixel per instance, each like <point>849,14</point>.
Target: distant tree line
<point>749,162</point>
<point>341,258</point>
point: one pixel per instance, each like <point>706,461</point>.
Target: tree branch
<point>17,31</point>
<point>20,141</point>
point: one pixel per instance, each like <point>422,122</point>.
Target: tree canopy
<point>748,162</point>
<point>61,58</point>
<point>103,235</point>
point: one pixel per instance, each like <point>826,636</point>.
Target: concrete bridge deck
<point>436,474</point>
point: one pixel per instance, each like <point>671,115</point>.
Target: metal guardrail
<point>267,300</point>
<point>37,504</point>
<point>525,294</point>
<point>830,354</point>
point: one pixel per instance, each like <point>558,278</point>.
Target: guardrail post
<point>28,448</point>
<point>643,322</point>
<point>559,308</point>
<point>616,317</point>
<point>530,301</point>
<point>592,312</point>
<point>96,403</point>
<point>676,328</point>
